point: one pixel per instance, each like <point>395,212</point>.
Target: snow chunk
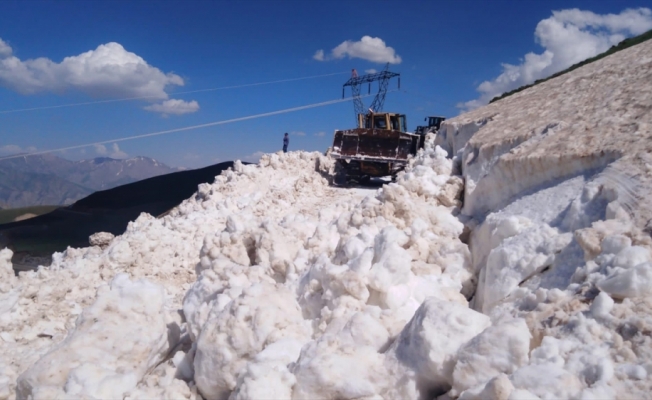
<point>101,239</point>
<point>517,258</point>
<point>498,388</point>
<point>8,282</point>
<point>262,315</point>
<point>116,341</point>
<point>501,348</point>
<point>631,256</point>
<point>267,375</point>
<point>633,282</point>
<point>614,244</point>
<point>7,275</point>
<point>602,305</point>
<point>350,350</point>
<point>548,381</point>
<point>426,350</point>
<point>335,368</point>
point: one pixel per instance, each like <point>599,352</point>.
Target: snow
<point>428,346</point>
<point>508,262</point>
<point>250,324</point>
<point>90,362</point>
<point>501,348</point>
<point>633,282</point>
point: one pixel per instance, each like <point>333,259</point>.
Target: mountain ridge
<point>46,179</point>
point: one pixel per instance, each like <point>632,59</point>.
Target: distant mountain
<point>107,211</point>
<point>50,180</point>
<point>22,189</point>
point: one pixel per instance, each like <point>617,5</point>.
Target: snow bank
<point>560,235</point>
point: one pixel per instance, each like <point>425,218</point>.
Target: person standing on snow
<point>286,141</point>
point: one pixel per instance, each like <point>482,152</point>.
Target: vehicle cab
<point>388,121</point>
<point>435,122</point>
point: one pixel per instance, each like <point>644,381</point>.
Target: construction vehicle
<point>434,123</point>
<point>378,147</point>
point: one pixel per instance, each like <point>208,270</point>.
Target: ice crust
<point>271,284</point>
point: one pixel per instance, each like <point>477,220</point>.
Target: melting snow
<point>270,283</point>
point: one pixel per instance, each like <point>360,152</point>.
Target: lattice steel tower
<point>356,82</point>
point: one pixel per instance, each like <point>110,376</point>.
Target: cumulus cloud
<point>116,152</point>
<point>10,149</point>
<point>100,149</point>
<point>368,48</point>
<point>109,71</point>
<point>319,55</point>
<point>175,107</point>
<point>568,37</point>
<point>113,152</point>
<point>5,49</point>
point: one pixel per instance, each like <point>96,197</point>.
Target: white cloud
<point>319,55</point>
<point>10,149</point>
<point>370,71</point>
<point>320,134</point>
<point>298,133</point>
<point>368,48</point>
<point>116,152</point>
<point>109,71</point>
<point>100,149</point>
<point>568,37</point>
<point>174,106</point>
<point>5,49</point>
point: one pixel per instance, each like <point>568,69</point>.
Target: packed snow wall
<point>511,260</point>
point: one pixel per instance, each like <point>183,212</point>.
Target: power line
<point>188,128</point>
<point>172,94</point>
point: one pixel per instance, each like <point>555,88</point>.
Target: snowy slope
<point>270,283</point>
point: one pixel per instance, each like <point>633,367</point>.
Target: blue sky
<point>450,55</point>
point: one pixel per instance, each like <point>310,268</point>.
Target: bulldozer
<point>434,123</point>
<point>380,146</point>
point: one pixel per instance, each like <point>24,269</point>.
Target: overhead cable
<point>187,128</point>
<point>171,94</point>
